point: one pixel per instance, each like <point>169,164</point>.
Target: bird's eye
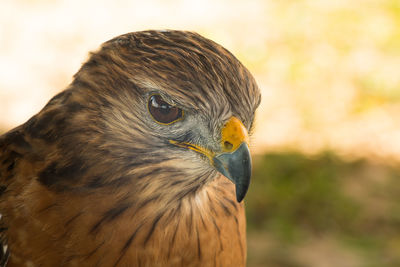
<point>163,112</point>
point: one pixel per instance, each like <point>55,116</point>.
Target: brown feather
<point>91,180</point>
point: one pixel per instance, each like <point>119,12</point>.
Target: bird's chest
<point>194,232</point>
<point>192,235</point>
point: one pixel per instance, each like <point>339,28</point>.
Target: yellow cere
<point>233,135</point>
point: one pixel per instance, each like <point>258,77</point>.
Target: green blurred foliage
<point>291,190</point>
<point>295,198</point>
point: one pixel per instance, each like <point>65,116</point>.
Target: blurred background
<point>326,184</point>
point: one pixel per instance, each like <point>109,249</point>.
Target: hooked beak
<point>234,162</point>
<point>236,166</point>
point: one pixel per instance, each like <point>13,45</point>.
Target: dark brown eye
<point>163,112</point>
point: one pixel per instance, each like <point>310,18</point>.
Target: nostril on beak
<point>228,145</point>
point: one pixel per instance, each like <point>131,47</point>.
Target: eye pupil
<point>165,109</point>
<point>163,112</point>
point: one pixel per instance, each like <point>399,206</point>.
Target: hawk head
<point>157,111</point>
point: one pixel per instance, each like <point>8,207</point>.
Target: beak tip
<point>241,191</point>
<point>239,198</point>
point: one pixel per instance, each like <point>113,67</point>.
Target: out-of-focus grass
<point>323,211</point>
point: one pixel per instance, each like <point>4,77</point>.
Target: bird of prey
<point>143,160</point>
